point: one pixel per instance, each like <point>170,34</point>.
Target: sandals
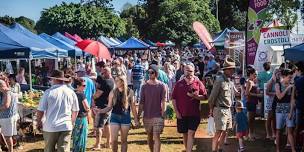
<point>241,149</point>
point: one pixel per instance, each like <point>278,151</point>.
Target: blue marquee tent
<point>35,49</point>
<point>62,44</point>
<point>295,53</point>
<point>132,44</point>
<point>219,39</point>
<point>19,28</point>
<point>107,42</point>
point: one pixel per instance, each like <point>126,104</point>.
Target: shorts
<point>222,118</point>
<point>282,120</point>
<point>9,126</point>
<point>123,119</point>
<point>154,125</point>
<point>188,123</point>
<point>101,119</point>
<point>251,107</point>
<point>241,134</point>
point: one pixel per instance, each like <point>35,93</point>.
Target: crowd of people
<point>142,85</point>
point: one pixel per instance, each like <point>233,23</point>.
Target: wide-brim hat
<point>229,64</point>
<point>59,75</point>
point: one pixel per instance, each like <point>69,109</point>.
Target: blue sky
<point>32,8</point>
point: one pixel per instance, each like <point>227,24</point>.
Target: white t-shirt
<point>58,102</point>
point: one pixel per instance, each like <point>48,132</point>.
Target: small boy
<point>241,124</point>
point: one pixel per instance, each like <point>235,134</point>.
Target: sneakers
<point>241,149</point>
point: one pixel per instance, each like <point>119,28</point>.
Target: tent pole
<point>30,74</point>
<point>75,61</point>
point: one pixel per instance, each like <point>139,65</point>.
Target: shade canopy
<point>133,44</point>
<point>62,44</point>
<point>19,28</point>
<point>295,53</point>
<point>75,38</point>
<point>25,46</point>
<point>219,39</point>
<point>108,42</point>
<point>95,48</point>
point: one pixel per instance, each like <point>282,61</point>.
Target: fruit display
<point>31,98</point>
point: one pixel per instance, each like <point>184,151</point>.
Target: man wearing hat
<point>220,101</point>
<point>152,103</point>
<point>59,105</point>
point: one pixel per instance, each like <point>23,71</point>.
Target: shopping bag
<point>211,126</point>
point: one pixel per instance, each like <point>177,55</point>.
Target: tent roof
<point>63,38</point>
<point>13,38</point>
<point>107,42</point>
<point>219,39</point>
<point>61,44</point>
<point>295,53</point>
<point>19,28</point>
<point>133,43</point>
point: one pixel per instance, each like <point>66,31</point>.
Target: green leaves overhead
<point>86,20</point>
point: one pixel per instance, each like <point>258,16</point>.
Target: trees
<point>176,18</point>
<point>162,20</point>
<point>26,22</point>
<point>285,11</point>
<point>86,20</point>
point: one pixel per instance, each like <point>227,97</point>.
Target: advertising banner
<point>270,37</point>
<point>255,20</point>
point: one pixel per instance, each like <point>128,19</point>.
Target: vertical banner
<point>255,19</point>
<point>235,44</point>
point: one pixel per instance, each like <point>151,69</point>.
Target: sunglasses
<point>83,85</point>
<point>151,72</point>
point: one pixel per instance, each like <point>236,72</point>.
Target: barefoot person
<point>152,103</point>
<point>186,95</point>
<point>220,101</point>
<point>121,102</point>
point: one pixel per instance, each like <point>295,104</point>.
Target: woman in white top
<point>15,86</point>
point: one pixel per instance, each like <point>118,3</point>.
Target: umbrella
<point>95,48</point>
<point>159,44</point>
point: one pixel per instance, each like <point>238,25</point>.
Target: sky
<point>32,8</point>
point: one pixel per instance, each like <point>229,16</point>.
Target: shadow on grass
<point>35,150</point>
<point>164,140</point>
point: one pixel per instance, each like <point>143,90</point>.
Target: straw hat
<point>58,75</point>
<point>229,64</point>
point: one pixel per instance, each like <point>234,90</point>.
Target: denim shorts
<point>282,120</point>
<point>120,119</point>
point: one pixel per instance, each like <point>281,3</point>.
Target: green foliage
<point>27,23</point>
<point>7,20</point>
<point>285,11</point>
<point>231,13</point>
<point>24,21</point>
<point>170,114</point>
<point>176,18</point>
<point>86,20</point>
<point>98,3</point>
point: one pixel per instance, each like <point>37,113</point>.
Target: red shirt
<point>188,106</point>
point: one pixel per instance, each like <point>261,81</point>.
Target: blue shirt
<point>299,83</point>
<point>138,72</point>
<point>241,122</point>
<point>89,90</point>
<point>210,65</point>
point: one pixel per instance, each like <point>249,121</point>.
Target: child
<point>241,124</point>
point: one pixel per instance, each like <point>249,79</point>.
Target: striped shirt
<point>138,72</point>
